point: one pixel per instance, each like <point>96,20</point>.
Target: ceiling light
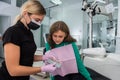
<point>101,1</point>
<point>57,2</point>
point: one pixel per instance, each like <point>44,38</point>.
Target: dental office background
<point>105,30</point>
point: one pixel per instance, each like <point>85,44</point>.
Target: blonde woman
<point>19,45</point>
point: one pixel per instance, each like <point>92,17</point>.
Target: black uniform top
<point>22,37</point>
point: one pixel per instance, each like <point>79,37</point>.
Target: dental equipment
<point>92,9</point>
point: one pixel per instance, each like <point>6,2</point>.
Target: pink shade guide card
<point>65,56</point>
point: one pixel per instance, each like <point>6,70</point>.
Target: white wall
<point>76,19</point>
<point>8,10</point>
<point>118,31</point>
<point>4,23</point>
<point>56,13</point>
<point>46,24</point>
<point>72,15</point>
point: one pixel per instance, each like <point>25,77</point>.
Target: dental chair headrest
<point>94,52</point>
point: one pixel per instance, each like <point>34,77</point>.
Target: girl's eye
<point>55,36</point>
<point>60,36</point>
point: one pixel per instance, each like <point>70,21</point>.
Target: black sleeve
<point>11,35</point>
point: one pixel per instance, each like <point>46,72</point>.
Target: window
<point>20,2</point>
<point>7,1</point>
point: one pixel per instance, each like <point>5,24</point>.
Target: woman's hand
<point>48,56</point>
<point>48,68</point>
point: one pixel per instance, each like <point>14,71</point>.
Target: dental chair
<point>106,64</point>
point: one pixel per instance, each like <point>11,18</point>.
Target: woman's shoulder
<point>73,44</point>
<point>12,30</point>
<point>14,27</point>
<point>47,46</point>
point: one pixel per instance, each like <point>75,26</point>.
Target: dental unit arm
<point>93,8</point>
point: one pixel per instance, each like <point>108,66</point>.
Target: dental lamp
<point>92,9</point>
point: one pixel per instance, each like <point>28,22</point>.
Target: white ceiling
<point>47,3</point>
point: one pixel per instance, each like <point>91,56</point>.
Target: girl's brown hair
<point>59,25</point>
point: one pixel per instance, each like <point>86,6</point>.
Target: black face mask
<point>33,25</point>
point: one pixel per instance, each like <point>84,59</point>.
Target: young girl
<point>59,35</point>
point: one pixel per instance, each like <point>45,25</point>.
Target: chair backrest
<point>44,50</point>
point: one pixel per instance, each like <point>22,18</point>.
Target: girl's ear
<point>66,35</point>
